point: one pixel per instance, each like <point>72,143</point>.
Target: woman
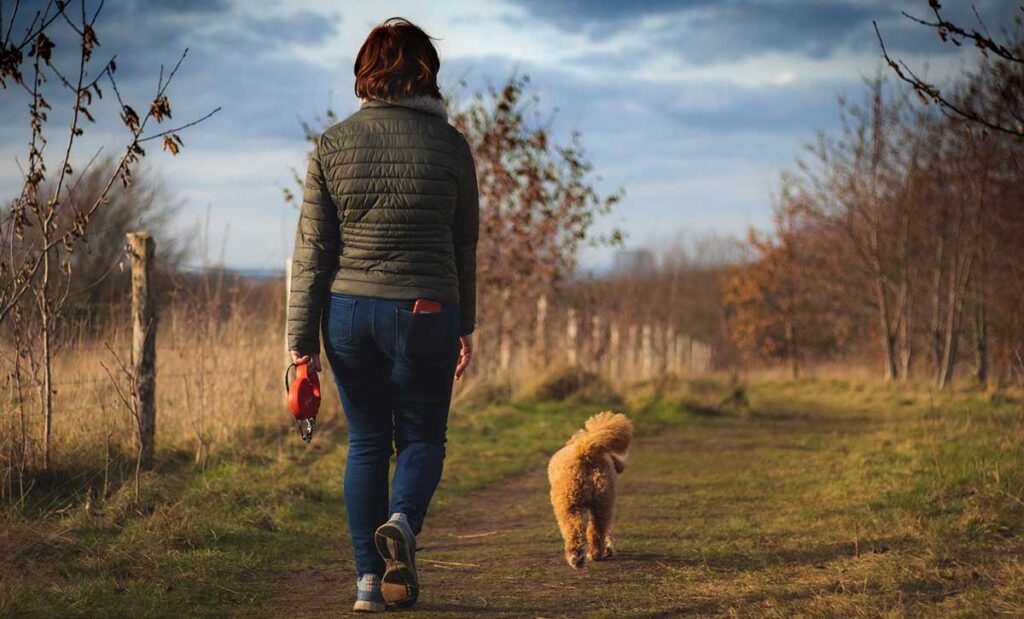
<point>385,263</point>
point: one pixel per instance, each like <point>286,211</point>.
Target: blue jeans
<point>394,370</point>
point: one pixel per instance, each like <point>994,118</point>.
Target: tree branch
<point>928,91</point>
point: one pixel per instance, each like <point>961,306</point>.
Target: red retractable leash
<point>303,398</point>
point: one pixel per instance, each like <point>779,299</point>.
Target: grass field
<point>814,497</point>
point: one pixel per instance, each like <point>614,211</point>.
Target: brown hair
<point>397,60</point>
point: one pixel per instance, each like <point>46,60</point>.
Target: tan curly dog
<point>582,476</point>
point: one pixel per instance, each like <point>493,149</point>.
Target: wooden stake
<point>614,351</point>
<point>647,351</point>
<point>540,345</point>
<point>572,335</point>
<point>670,350</point>
<point>142,247</point>
<point>631,356</point>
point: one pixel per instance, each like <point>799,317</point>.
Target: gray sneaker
<point>396,543</point>
<point>368,596</point>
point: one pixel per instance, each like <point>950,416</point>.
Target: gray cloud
<point>603,16</point>
<point>732,32</point>
<point>708,32</point>
<point>711,148</point>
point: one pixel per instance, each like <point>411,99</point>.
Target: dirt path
<point>822,500</point>
<point>717,515</point>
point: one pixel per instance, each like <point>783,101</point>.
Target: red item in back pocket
<point>423,306</point>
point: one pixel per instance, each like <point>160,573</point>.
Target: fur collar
<point>431,105</point>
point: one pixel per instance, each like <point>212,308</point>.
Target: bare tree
<point>915,226</point>
<point>859,195</point>
<point>99,276</point>
<point>994,98</point>
<point>39,266</point>
<point>538,201</point>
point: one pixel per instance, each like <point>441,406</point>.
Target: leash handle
<point>287,385</point>
<point>303,398</point>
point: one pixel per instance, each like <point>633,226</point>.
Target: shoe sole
<point>400,585</point>
<point>363,606</point>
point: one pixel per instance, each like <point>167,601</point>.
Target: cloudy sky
<point>692,106</point>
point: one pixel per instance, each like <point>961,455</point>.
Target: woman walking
<point>385,265</point>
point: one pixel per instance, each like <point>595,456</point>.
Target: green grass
<point>804,497</point>
<point>203,541</point>
<point>815,499</point>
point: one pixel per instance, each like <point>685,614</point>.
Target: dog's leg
<point>573,525</point>
<point>599,540</point>
<point>609,547</point>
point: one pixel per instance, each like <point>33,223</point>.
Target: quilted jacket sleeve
<point>314,260</point>
<point>466,228</point>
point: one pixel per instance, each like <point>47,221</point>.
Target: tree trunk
<point>888,338</point>
<point>980,315</point>
<point>950,339</point>
<point>46,399</point>
<point>906,334</point>
<point>936,306</point>
<point>794,357</point>
<point>905,315</point>
<point>959,277</point>
<point>981,341</point>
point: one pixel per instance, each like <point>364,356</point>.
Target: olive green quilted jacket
<point>390,210</point>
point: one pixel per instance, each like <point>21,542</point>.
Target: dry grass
<point>219,382</point>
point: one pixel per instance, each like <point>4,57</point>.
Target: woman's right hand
<point>312,360</point>
<point>465,355</point>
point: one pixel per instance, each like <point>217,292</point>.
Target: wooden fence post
<point>670,349</point>
<point>504,351</point>
<point>679,354</point>
<point>596,348</point>
<point>631,352</point>
<point>647,351</point>
<point>540,345</point>
<point>657,357</point>
<point>614,352</point>
<point>703,354</point>
<point>572,332</point>
<point>141,248</point>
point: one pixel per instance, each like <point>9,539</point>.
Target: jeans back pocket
<point>337,320</point>
<point>426,336</point>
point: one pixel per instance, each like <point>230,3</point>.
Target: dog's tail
<point>605,432</point>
